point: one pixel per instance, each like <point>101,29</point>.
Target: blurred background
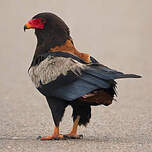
<point>118,33</point>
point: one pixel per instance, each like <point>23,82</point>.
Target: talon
<point>58,137</point>
<point>38,138</point>
<point>81,136</point>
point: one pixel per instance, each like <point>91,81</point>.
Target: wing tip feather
<point>134,76</point>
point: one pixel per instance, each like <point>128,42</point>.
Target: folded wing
<point>68,78</point>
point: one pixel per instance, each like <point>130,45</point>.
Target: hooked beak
<point>27,26</point>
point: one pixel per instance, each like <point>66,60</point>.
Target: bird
<point>68,77</point>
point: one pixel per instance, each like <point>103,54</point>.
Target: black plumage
<point>66,76</point>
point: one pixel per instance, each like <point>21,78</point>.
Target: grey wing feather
<point>52,67</point>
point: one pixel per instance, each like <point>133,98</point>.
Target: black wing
<point>65,76</point>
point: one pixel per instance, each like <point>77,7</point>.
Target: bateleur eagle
<point>66,76</point>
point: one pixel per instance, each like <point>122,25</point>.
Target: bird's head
<point>49,29</point>
<point>52,35</point>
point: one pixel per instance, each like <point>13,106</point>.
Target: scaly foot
<point>53,137</point>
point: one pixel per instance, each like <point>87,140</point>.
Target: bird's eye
<point>37,23</point>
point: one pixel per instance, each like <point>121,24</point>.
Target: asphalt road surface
<point>119,35</point>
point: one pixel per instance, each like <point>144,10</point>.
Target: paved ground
<point>120,38</point>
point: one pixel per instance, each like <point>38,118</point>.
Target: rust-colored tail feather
<point>98,97</point>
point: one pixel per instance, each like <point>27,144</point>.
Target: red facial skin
<point>37,23</point>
